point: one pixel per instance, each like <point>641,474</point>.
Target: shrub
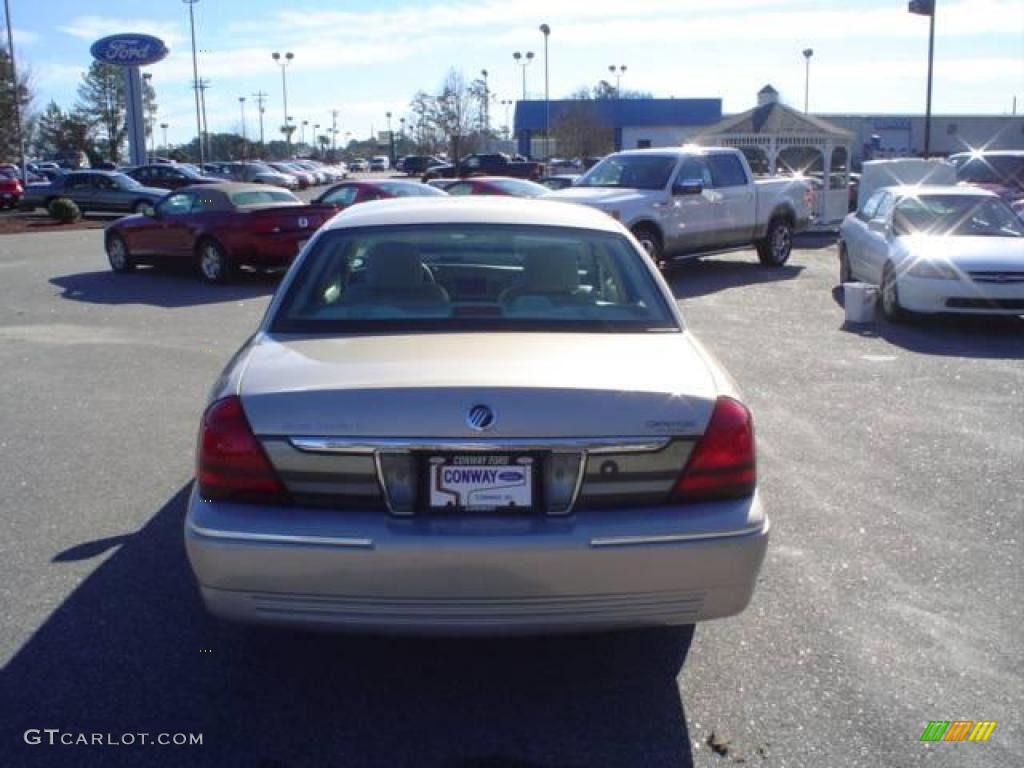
<point>64,210</point>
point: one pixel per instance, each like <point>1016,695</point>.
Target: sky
<point>367,58</point>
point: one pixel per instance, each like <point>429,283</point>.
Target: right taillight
<point>231,463</point>
<point>722,464</point>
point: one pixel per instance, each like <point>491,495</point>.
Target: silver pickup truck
<point>692,201</point>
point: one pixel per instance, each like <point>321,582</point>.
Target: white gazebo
<point>778,139</point>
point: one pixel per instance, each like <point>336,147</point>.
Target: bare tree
<point>457,114</point>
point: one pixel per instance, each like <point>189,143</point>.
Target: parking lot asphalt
<point>891,464</point>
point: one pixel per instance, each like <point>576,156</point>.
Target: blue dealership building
<point>636,123</point>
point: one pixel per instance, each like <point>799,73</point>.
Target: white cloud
<point>92,28</point>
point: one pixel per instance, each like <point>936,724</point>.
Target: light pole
<point>302,133</point>
<point>316,137</point>
<point>391,140</point>
<point>546,31</point>
<point>195,77</point>
<point>260,97</point>
<point>808,52</point>
<point>506,103</point>
<point>617,73</point>
<point>524,62</point>
<point>927,8</point>
<point>334,133</point>
<point>147,78</point>
<point>241,106</point>
<point>283,62</point>
<point>164,126</point>
<point>401,131</point>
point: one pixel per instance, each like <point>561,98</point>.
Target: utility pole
<point>260,97</point>
<point>334,132</point>
<point>16,94</point>
<point>195,76</point>
<point>205,137</point>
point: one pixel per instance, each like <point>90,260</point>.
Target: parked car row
<point>290,174</point>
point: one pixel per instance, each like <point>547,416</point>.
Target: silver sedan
<point>474,416</point>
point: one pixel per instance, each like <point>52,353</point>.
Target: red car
<point>349,193</point>
<point>11,191</point>
<point>218,227</point>
<point>497,185</point>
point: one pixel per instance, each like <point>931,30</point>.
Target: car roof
<point>991,153</point>
<point>689,149</point>
<point>228,187</point>
<point>910,190</point>
<point>475,210</point>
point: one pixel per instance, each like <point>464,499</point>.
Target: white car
<point>935,249</point>
<point>474,415</point>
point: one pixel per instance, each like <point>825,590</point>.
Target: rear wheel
<point>774,249</point>
<point>213,262</point>
<point>650,241</point>
<point>845,271</point>
<point>117,254</point>
<point>890,296</point>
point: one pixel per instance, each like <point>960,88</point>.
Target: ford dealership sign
<point>127,50</point>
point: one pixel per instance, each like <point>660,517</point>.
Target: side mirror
<point>688,187</point>
<point>878,225</point>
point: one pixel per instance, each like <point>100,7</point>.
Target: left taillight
<point>723,463</point>
<point>231,464</point>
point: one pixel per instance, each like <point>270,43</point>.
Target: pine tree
<point>8,126</point>
<point>102,101</point>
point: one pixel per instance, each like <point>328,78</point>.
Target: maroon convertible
<point>217,227</point>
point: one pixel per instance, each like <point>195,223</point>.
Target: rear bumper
<point>274,250</point>
<point>366,571</point>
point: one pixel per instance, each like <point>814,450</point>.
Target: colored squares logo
<point>958,730</point>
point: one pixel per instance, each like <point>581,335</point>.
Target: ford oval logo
<point>510,477</point>
<point>480,417</point>
<point>129,50</point>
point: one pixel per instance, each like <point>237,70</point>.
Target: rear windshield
<point>263,197</point>
<point>411,190</point>
<point>448,277</point>
<point>520,187</point>
<point>632,171</point>
<point>956,215</point>
<point>991,169</point>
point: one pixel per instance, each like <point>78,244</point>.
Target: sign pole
<point>135,121</point>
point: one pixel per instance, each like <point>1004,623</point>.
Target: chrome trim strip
<point>592,445</point>
<point>281,538</point>
<point>674,538</point>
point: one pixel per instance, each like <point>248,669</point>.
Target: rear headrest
<point>550,270</point>
<point>394,265</point>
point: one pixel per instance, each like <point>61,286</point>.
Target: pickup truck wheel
<point>845,271</point>
<point>213,262</point>
<point>649,238</point>
<point>775,248</point>
<point>117,254</point>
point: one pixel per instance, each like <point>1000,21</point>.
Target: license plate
<point>484,483</point>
